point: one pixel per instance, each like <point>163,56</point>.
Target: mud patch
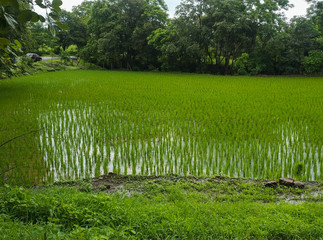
<point>217,187</point>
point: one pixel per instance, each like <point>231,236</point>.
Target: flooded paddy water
<point>88,123</point>
<point>91,140</point>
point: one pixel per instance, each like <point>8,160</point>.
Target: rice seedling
<point>93,122</point>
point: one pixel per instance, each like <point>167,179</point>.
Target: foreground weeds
<point>117,207</point>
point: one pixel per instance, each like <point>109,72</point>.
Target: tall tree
<point>77,30</point>
<point>119,31</point>
<point>45,42</point>
<point>233,30</point>
<point>303,40</point>
<point>313,63</point>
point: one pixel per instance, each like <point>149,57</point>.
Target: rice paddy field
<point>82,124</point>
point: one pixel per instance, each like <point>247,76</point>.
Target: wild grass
<point>160,209</point>
<point>87,123</point>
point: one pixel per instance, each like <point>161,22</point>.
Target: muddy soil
<point>112,183</point>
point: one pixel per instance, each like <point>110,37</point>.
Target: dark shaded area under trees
<point>205,36</point>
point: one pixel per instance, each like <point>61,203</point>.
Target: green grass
<point>87,123</point>
<point>161,208</point>
<point>27,67</point>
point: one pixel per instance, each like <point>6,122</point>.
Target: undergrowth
<point>159,209</point>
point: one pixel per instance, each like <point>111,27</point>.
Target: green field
<point>82,124</point>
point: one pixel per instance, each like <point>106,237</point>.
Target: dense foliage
<point>210,36</point>
<point>15,36</point>
<point>120,41</point>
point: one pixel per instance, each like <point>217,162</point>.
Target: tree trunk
<point>226,65</point>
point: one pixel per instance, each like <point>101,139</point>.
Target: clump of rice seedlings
<point>94,123</point>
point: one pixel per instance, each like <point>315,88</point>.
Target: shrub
<point>314,62</point>
<point>72,49</point>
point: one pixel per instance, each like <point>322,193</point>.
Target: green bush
<point>241,64</point>
<point>314,62</point>
<point>72,49</point>
<point>245,66</point>
<point>65,56</point>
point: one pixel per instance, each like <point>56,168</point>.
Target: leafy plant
<point>314,62</point>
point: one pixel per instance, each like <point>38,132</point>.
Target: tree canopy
<point>205,36</point>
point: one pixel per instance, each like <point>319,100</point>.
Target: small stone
<point>104,187</point>
<point>299,185</point>
<point>271,184</point>
<point>288,182</point>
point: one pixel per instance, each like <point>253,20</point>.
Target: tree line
<point>205,36</point>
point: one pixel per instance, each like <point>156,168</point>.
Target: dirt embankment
<point>111,183</point>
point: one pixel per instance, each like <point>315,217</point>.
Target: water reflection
<point>88,141</point>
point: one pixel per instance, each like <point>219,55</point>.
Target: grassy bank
<point>24,66</point>
<point>125,207</point>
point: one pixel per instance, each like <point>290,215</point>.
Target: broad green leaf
<point>52,29</point>
<point>56,5</point>
<point>18,44</point>
<point>41,18</point>
<point>25,16</point>
<point>12,3</point>
<point>4,42</point>
<point>40,3</point>
<point>53,16</point>
<point>62,26</point>
<point>10,20</point>
<point>12,52</point>
<point>35,17</point>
